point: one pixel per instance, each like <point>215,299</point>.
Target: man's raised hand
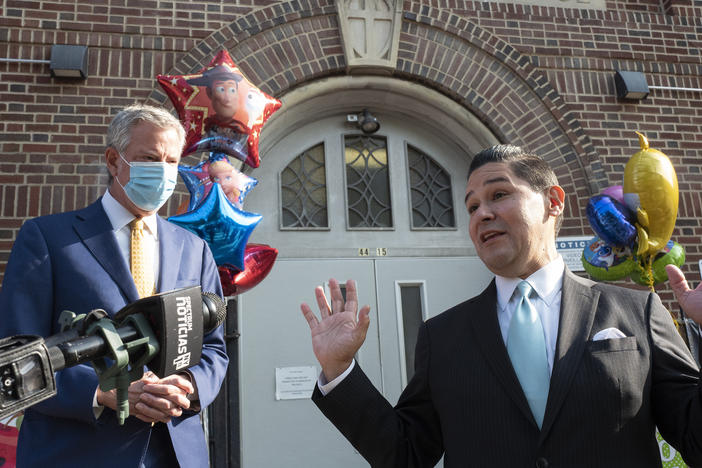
<point>341,331</point>
<point>689,299</point>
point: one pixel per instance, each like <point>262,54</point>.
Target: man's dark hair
<point>526,165</point>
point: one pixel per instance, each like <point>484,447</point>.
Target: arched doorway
<point>385,209</point>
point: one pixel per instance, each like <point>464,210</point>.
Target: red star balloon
<point>221,111</point>
<point>258,261</point>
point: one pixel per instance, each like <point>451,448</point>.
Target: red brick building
<point>531,73</point>
<point>53,129</point>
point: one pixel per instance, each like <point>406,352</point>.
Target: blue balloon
<point>197,181</point>
<point>245,188</point>
<point>611,221</point>
<point>245,182</point>
<point>223,141</point>
<point>224,227</point>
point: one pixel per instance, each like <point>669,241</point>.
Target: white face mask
<point>150,183</point>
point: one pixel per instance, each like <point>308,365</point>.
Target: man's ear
<point>556,200</point>
<point>111,156</point>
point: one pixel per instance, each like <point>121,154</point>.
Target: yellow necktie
<point>142,270</point>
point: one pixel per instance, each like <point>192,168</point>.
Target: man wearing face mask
<point>106,256</point>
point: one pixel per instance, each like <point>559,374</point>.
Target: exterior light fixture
<point>69,61</point>
<point>631,85</point>
<point>365,121</point>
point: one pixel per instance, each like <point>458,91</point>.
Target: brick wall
<point>52,130</point>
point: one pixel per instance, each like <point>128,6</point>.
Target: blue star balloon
<point>224,227</point>
<point>197,181</point>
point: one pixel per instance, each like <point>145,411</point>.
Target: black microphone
<point>163,332</point>
<point>179,319</point>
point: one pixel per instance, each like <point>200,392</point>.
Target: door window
<point>412,317</point>
<point>367,167</point>
<point>430,192</point>
<point>303,188</point>
<point>367,182</point>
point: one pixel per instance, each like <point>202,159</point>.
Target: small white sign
<point>571,249</point>
<point>294,383</point>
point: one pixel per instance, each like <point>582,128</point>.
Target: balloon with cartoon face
<point>235,184</point>
<point>221,110</point>
<point>604,262</point>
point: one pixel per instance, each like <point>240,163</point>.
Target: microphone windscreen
<point>214,310</point>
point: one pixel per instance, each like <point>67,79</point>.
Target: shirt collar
<point>120,217</point>
<point>546,282</point>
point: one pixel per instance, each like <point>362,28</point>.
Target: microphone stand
<point>123,353</point>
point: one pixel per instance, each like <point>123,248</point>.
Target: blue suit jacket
<point>71,261</point>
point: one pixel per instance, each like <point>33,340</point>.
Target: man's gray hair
<point>120,129</point>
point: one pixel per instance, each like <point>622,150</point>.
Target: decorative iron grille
<point>430,192</point>
<point>367,182</point>
<point>303,188</point>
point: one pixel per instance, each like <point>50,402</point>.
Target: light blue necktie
<point>526,347</point>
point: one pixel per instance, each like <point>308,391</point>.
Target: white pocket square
<point>608,334</point>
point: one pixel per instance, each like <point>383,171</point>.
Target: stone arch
<point>283,46</point>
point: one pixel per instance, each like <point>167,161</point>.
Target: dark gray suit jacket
<point>605,400</point>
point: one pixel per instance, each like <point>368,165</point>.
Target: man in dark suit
<point>80,261</point>
<point>543,368</point>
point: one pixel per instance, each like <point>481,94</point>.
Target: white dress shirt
<point>547,284</point>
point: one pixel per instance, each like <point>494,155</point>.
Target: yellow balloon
<point>651,191</point>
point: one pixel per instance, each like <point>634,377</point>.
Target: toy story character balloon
<point>235,185</point>
<point>224,133</point>
<point>221,110</point>
<point>651,191</point>
<point>216,169</point>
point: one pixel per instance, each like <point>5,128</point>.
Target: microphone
<point>164,332</point>
<point>179,319</point>
<point>214,311</point>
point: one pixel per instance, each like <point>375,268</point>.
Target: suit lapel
<point>169,260</point>
<point>94,229</point>
<point>578,307</point>
<point>486,328</point>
